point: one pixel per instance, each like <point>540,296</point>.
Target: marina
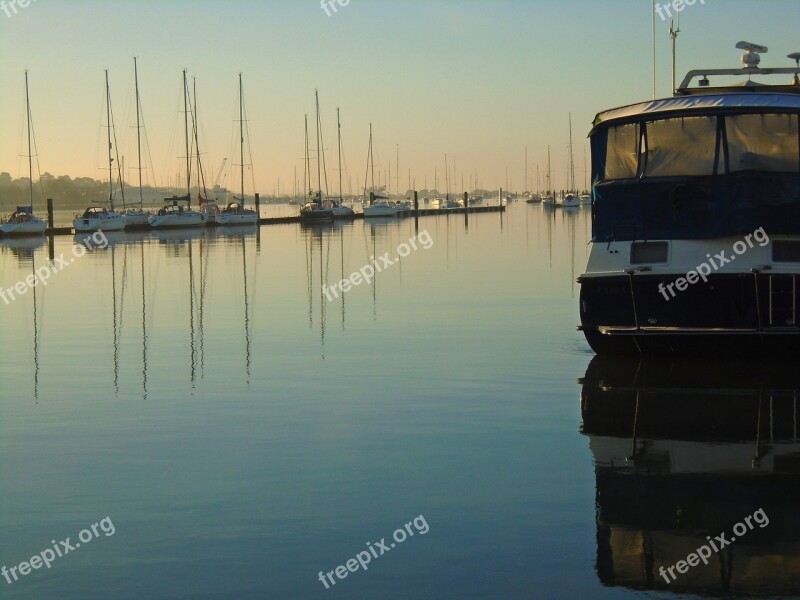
<point>414,301</point>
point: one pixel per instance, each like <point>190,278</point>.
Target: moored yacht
<point>175,216</point>
<point>23,221</point>
<point>96,218</point>
<point>236,214</point>
<point>696,218</point>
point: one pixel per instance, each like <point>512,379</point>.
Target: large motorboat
<point>696,218</point>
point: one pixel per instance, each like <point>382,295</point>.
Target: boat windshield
<point>702,145</point>
<point>697,176</point>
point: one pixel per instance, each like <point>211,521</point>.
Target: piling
<point>50,213</point>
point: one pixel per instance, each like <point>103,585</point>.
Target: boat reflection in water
<point>683,451</point>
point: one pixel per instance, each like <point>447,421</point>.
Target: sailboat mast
<point>571,158</point>
<point>108,123</point>
<point>241,134</point>
<point>138,130</point>
<point>339,135</point>
<point>186,132</point>
<point>307,165</point>
<point>319,161</point>
<point>371,158</point>
<point>30,154</point>
<point>549,173</point>
<point>397,177</point>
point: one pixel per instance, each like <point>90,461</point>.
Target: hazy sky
<point>476,79</point>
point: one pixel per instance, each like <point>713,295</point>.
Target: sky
<point>478,81</point>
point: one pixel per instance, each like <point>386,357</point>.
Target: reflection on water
<point>685,450</point>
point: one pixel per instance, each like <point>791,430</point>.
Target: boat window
<point>681,147</point>
<point>766,142</point>
<point>622,156</point>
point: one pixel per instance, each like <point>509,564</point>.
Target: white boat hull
<point>108,223</point>
<point>33,227</point>
<point>380,211</point>
<point>236,219</point>
<point>137,219</point>
<point>178,220</point>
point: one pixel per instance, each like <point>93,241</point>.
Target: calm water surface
<point>243,433</point>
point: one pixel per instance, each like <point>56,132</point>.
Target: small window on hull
<point>649,252</point>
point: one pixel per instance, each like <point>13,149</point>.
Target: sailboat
<point>448,204</point>
<point>549,199</point>
<point>96,218</point>
<point>138,218</point>
<point>235,213</point>
<point>340,211</point>
<point>313,210</point>
<point>571,200</point>
<point>23,221</point>
<point>379,205</point>
<point>175,215</point>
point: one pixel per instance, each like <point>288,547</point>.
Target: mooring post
<point>371,198</point>
<point>50,214</point>
<point>416,200</point>
<point>466,200</point>
<point>258,205</point>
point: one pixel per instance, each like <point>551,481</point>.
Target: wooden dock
<point>264,221</point>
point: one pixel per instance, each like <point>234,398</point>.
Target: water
<point>243,434</point>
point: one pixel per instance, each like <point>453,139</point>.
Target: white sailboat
<point>97,218</point>
<point>571,200</point>
<point>379,206</point>
<point>138,218</point>
<point>23,221</point>
<point>340,211</point>
<point>549,200</point>
<point>235,213</point>
<point>175,215</point>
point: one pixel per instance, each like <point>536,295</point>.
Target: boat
<point>22,221</point>
<point>571,200</point>
<point>175,215</point>
<point>695,245</point>
<point>549,199</point>
<point>235,213</point>
<point>585,199</point>
<point>138,218</point>
<point>534,199</point>
<point>96,218</point>
<point>314,211</point>
<point>379,206</point>
<point>337,206</point>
